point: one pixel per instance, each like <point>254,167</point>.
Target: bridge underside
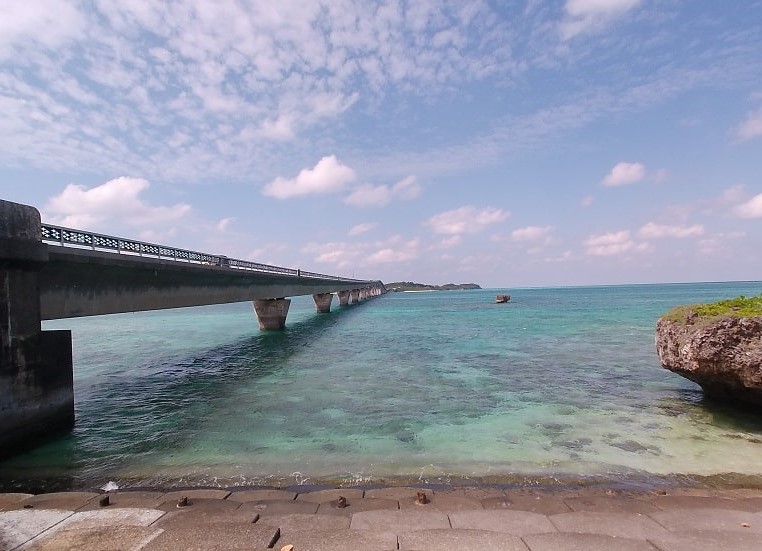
<point>78,283</point>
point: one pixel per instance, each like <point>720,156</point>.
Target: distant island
<point>410,286</point>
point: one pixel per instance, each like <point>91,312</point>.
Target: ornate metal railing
<point>68,237</point>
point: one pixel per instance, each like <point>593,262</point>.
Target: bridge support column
<point>343,298</point>
<point>323,302</point>
<point>272,313</point>
<point>36,375</point>
<point>354,296</point>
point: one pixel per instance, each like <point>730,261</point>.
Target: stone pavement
<point>383,519</point>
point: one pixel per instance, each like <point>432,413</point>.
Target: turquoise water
<point>445,387</point>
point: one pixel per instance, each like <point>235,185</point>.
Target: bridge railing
<point>68,237</point>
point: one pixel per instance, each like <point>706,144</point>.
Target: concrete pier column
<point>272,313</point>
<point>343,298</point>
<point>36,376</point>
<point>323,302</point>
<point>354,296</point>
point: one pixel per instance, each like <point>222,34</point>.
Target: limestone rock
<point>723,355</point>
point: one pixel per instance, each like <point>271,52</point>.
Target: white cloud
<point>625,173</point>
<point>281,128</point>
<point>386,256</point>
<point>224,224</point>
<point>466,219</point>
<point>369,195</point>
<point>328,176</point>
<point>608,244</point>
<point>587,201</point>
<point>751,208</point>
<point>531,233</point>
<point>407,188</point>
<point>657,231</point>
<point>116,201</point>
<point>362,228</point>
<point>358,255</point>
<point>718,243</point>
<point>587,16</point>
<point>48,23</point>
<point>751,127</point>
<point>452,241</point>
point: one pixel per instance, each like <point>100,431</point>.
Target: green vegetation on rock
<point>740,307</point>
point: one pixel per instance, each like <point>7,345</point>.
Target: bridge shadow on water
<point>158,406</point>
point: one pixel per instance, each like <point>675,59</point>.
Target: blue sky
<point>507,143</point>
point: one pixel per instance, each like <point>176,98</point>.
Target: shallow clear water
<point>560,384</point>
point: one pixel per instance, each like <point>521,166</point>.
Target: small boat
<point>500,299</point>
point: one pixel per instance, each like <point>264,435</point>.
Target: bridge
<point>50,272</point>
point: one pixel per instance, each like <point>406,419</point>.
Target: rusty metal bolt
<point>104,501</point>
<point>341,503</point>
<point>182,502</point>
<point>420,498</point>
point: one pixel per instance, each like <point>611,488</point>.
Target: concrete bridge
<point>49,272</point>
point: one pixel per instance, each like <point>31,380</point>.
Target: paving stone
<point>667,503</point>
<point>70,501</point>
<point>543,504</point>
<point>397,492</point>
<point>708,541</point>
<point>477,492</point>
<point>10,501</point>
<point>140,499</point>
<point>441,502</point>
<point>194,494</point>
<point>610,504</point>
<point>201,504</point>
<point>223,536</point>
<point>745,492</point>
<point>338,540</point>
<point>325,496</point>
<point>17,527</point>
<point>270,507</point>
<point>751,503</point>
<point>245,496</point>
<point>357,505</point>
<point>709,519</point>
<point>510,522</point>
<point>564,541</point>
<point>622,525</point>
<point>702,492</point>
<point>399,521</point>
<point>209,510</point>
<point>111,517</point>
<point>301,523</point>
<point>458,540</point>
<point>119,538</point>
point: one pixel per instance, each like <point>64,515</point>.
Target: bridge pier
<point>354,296</point>
<point>323,302</point>
<point>272,313</point>
<point>36,372</point>
<point>343,298</point>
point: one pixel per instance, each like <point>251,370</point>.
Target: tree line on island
<point>410,286</point>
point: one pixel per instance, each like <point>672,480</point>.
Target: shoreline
<point>725,482</point>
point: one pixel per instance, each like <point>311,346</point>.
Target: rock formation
<point>722,354</point>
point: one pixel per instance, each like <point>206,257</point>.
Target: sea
<point>560,386</point>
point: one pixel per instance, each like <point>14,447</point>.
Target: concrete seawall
<point>37,397</point>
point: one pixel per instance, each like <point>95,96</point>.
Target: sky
<point>509,143</point>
